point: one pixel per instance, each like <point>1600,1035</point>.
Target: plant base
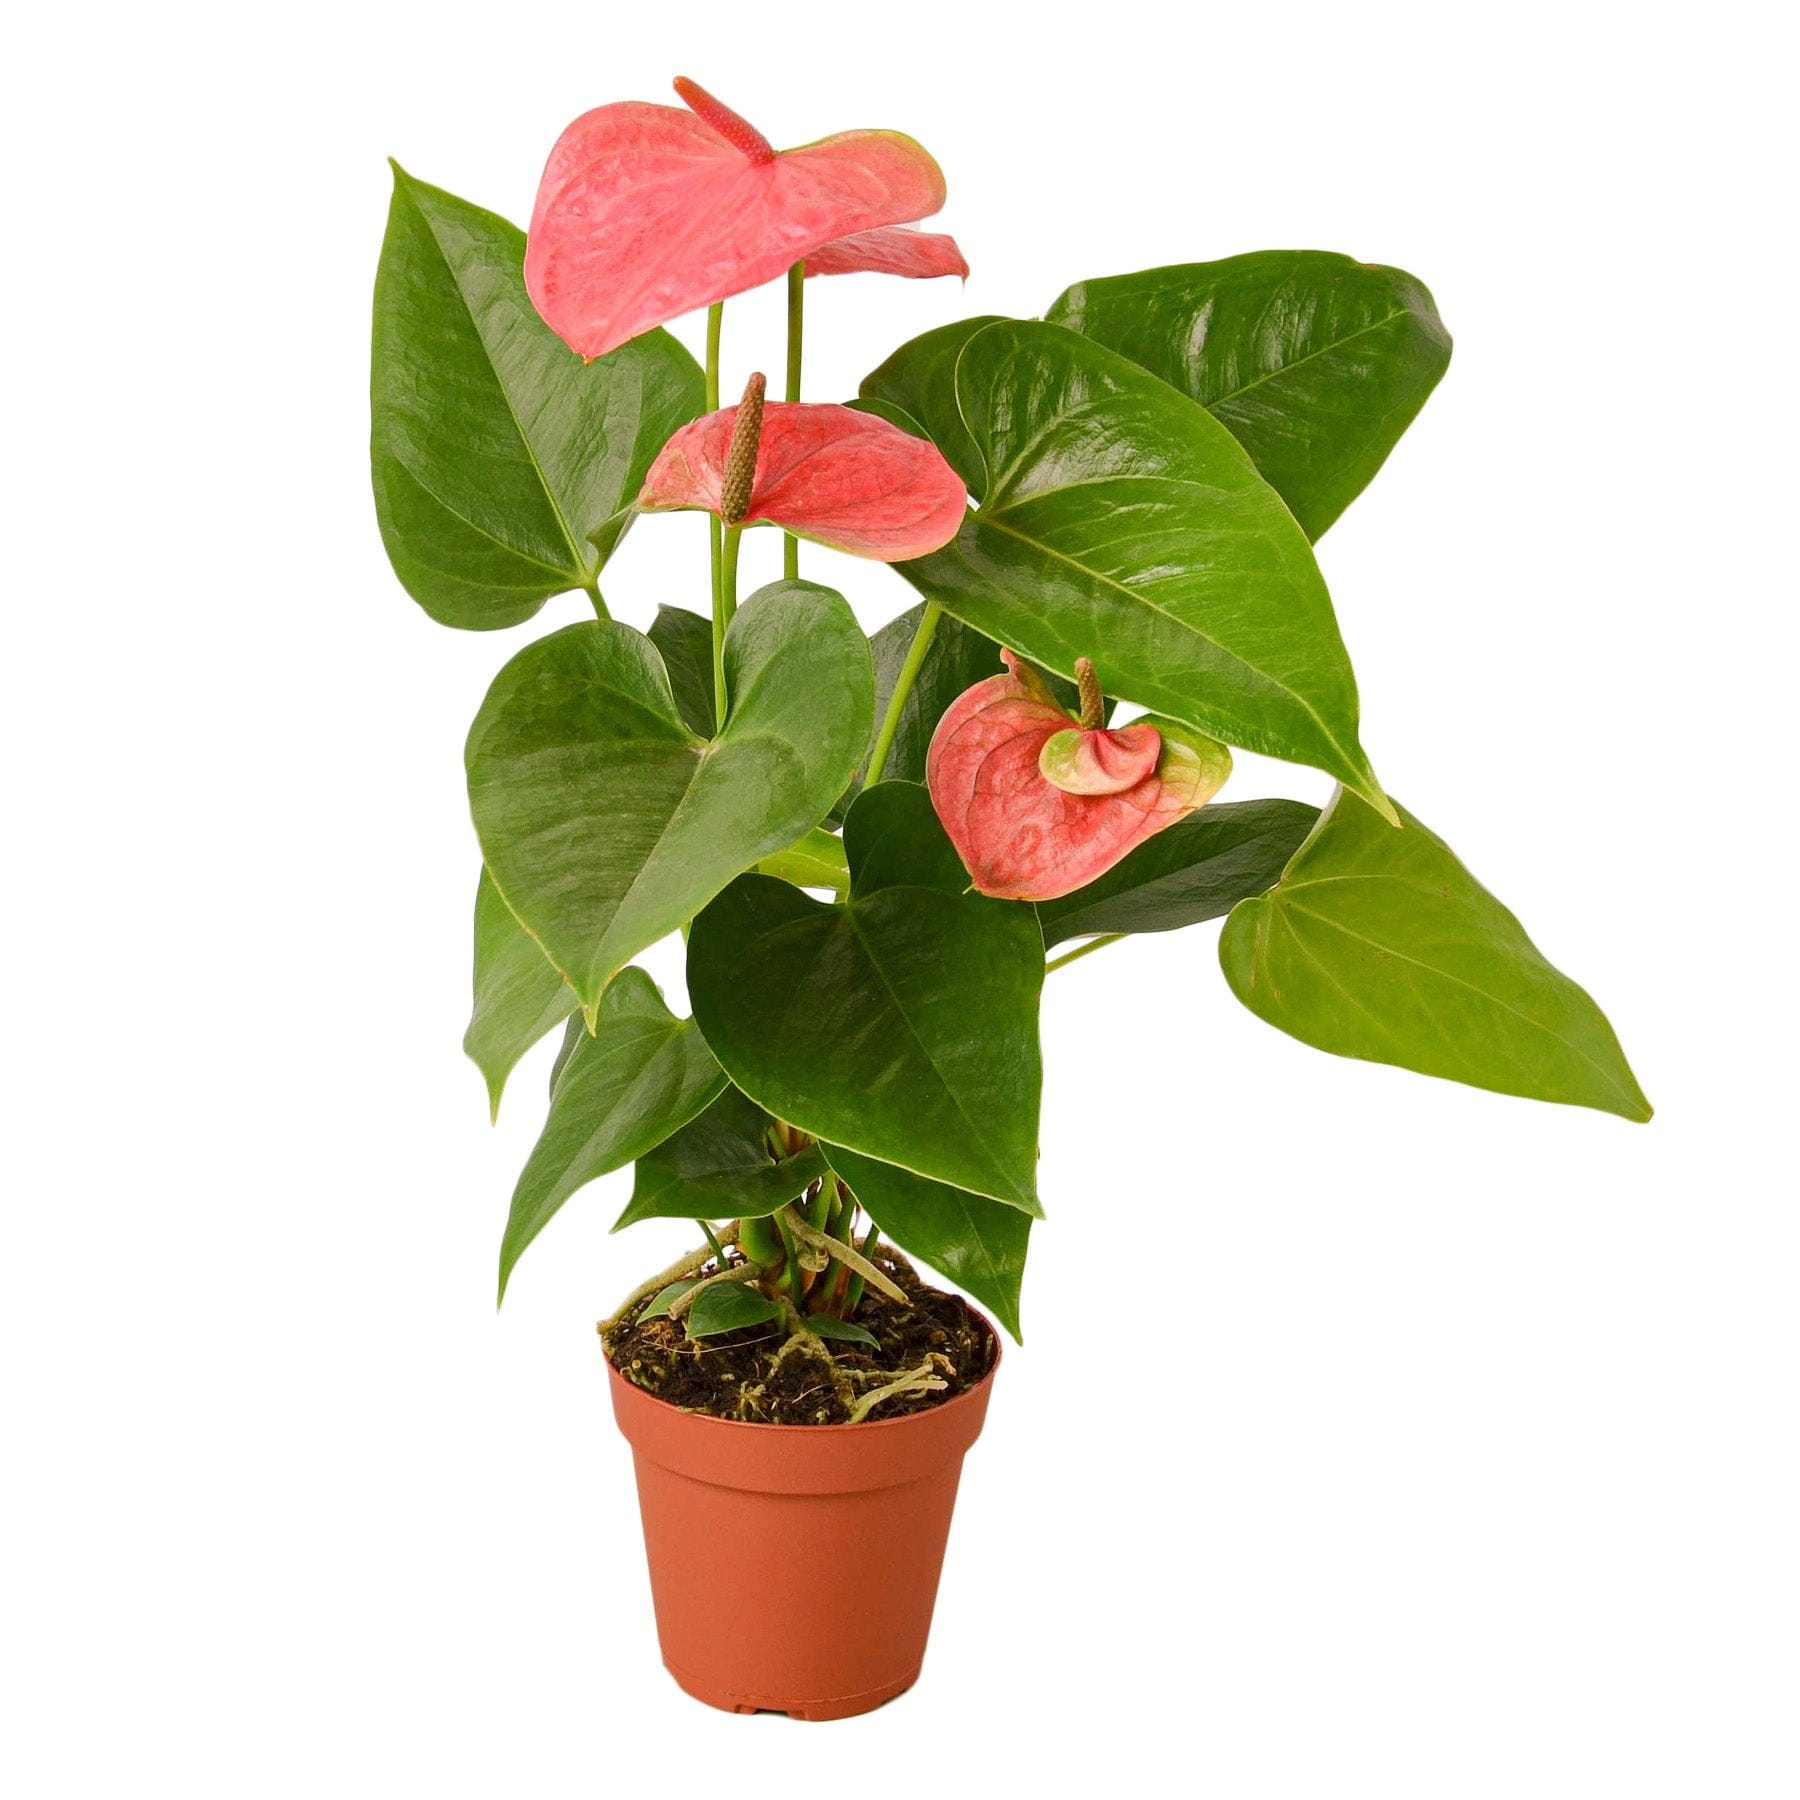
<point>794,1568</point>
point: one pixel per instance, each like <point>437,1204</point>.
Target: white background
<point>1371,1436</point>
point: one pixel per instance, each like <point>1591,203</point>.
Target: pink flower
<point>1038,803</point>
<point>647,212</point>
<point>840,477</point>
<point>893,250</point>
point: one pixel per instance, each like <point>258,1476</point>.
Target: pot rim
<point>975,1390</point>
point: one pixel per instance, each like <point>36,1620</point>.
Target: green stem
<point>724,608</point>
<point>791,1256</point>
<point>718,1249</point>
<point>593,593</point>
<point>867,1250</point>
<point>715,323</point>
<point>909,673</point>
<point>1087,949</point>
<point>796,328</point>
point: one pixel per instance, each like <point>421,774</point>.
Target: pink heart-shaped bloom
<point>842,478</point>
<point>1037,805</point>
<point>892,250</point>
<point>647,212</point>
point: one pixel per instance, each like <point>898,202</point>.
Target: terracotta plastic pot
<point>794,1567</point>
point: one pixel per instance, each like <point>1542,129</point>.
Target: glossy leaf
<point>519,996</point>
<point>607,823</point>
<point>728,1306</point>
<point>815,861</point>
<point>684,641</point>
<point>890,250</point>
<point>1037,806</point>
<point>1198,869</point>
<point>648,212</point>
<point>978,1243</point>
<point>1313,361</point>
<point>829,473</point>
<point>719,1166</point>
<point>573,1033</point>
<point>504,469</point>
<point>1379,944</point>
<point>660,1304</point>
<point>1121,522</point>
<point>916,389</point>
<point>841,1331</point>
<point>957,657</point>
<point>907,1026</point>
<point>642,1075</point>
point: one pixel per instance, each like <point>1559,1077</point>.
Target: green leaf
<point>684,641</point>
<point>902,1023</point>
<point>978,1243</point>
<point>840,1330</point>
<point>573,1035</point>
<point>659,1307</point>
<point>719,1167</point>
<point>1123,523</point>
<point>1379,944</point>
<point>916,390</point>
<point>728,1306</point>
<point>518,993</point>
<point>643,1074</point>
<point>1313,361</point>
<point>957,657</point>
<point>505,468</point>
<point>815,861</point>
<point>606,823</point>
<point>1196,869</point>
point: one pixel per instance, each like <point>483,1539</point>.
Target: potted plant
<point>877,849</point>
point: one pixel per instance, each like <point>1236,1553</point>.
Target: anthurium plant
<point>877,847</point>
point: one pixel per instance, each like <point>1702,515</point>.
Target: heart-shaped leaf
<point>1123,523</point>
<point>642,1075</point>
<point>504,469</point>
<point>1379,944</point>
<point>978,1243</point>
<point>728,1306</point>
<point>719,1166</point>
<point>606,823</point>
<point>647,212</point>
<point>1196,870</point>
<point>518,993</point>
<point>1313,361</point>
<point>906,1019</point>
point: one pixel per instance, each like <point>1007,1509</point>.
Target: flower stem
<point>796,326</point>
<point>715,322</point>
<point>909,673</point>
<point>1087,949</point>
<point>724,608</point>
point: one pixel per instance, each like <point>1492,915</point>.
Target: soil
<point>766,1375</point>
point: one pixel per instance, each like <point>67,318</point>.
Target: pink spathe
<point>1037,807</point>
<point>891,250</point>
<point>839,477</point>
<point>648,212</point>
